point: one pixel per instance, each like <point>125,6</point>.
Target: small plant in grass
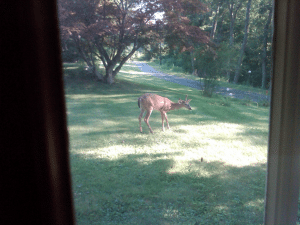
<point>246,101</point>
<point>225,102</point>
<point>208,85</point>
<point>79,70</point>
<point>74,70</point>
<point>264,103</point>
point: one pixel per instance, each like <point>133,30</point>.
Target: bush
<point>264,103</point>
<point>225,102</point>
<point>246,101</point>
<point>69,52</point>
<point>208,85</point>
<point>207,66</point>
<point>212,64</point>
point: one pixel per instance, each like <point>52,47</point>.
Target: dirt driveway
<point>228,92</point>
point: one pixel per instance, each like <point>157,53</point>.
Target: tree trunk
<point>160,54</point>
<point>232,15</point>
<point>110,62</point>
<point>231,28</point>
<point>109,78</point>
<point>82,52</point>
<point>264,51</point>
<point>246,32</point>
<point>88,59</point>
<point>98,75</point>
<point>215,23</point>
<point>192,62</point>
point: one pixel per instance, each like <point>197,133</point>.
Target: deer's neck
<point>175,106</point>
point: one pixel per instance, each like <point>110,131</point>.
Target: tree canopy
<point>113,30</point>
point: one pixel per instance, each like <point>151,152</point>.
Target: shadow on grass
<point>142,189</point>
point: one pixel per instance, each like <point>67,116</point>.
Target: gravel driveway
<point>228,92</point>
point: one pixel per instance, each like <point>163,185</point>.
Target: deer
<point>149,102</point>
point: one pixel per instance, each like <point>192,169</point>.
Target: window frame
<point>35,173</point>
<point>282,185</point>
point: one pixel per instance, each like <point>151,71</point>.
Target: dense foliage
<point>241,36</point>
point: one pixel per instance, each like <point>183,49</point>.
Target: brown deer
<point>149,102</point>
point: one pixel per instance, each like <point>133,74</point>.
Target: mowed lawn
<point>209,168</point>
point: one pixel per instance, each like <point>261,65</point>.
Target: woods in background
<point>227,39</point>
<point>240,33</point>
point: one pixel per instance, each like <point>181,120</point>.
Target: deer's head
<point>185,103</point>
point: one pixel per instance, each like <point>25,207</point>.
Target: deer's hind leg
<point>146,119</point>
<point>140,119</point>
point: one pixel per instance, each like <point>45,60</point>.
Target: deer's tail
<point>139,102</point>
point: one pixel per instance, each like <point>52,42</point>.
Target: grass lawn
<point>209,168</point>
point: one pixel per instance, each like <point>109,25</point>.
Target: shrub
<point>246,101</point>
<point>225,102</point>
<point>264,103</point>
<point>212,64</point>
<point>208,85</point>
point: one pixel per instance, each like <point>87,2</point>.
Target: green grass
<point>209,168</point>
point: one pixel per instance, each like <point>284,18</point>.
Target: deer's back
<point>155,101</point>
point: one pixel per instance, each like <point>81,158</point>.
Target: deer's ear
<point>188,101</point>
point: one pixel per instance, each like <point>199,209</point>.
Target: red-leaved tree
<point>113,30</point>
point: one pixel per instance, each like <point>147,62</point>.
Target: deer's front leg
<point>167,120</point>
<point>163,118</point>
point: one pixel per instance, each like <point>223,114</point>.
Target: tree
<point>216,13</point>
<point>265,43</point>
<point>109,30</point>
<point>256,40</point>
<point>181,31</point>
<point>246,32</point>
<point>233,7</point>
<point>112,30</point>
